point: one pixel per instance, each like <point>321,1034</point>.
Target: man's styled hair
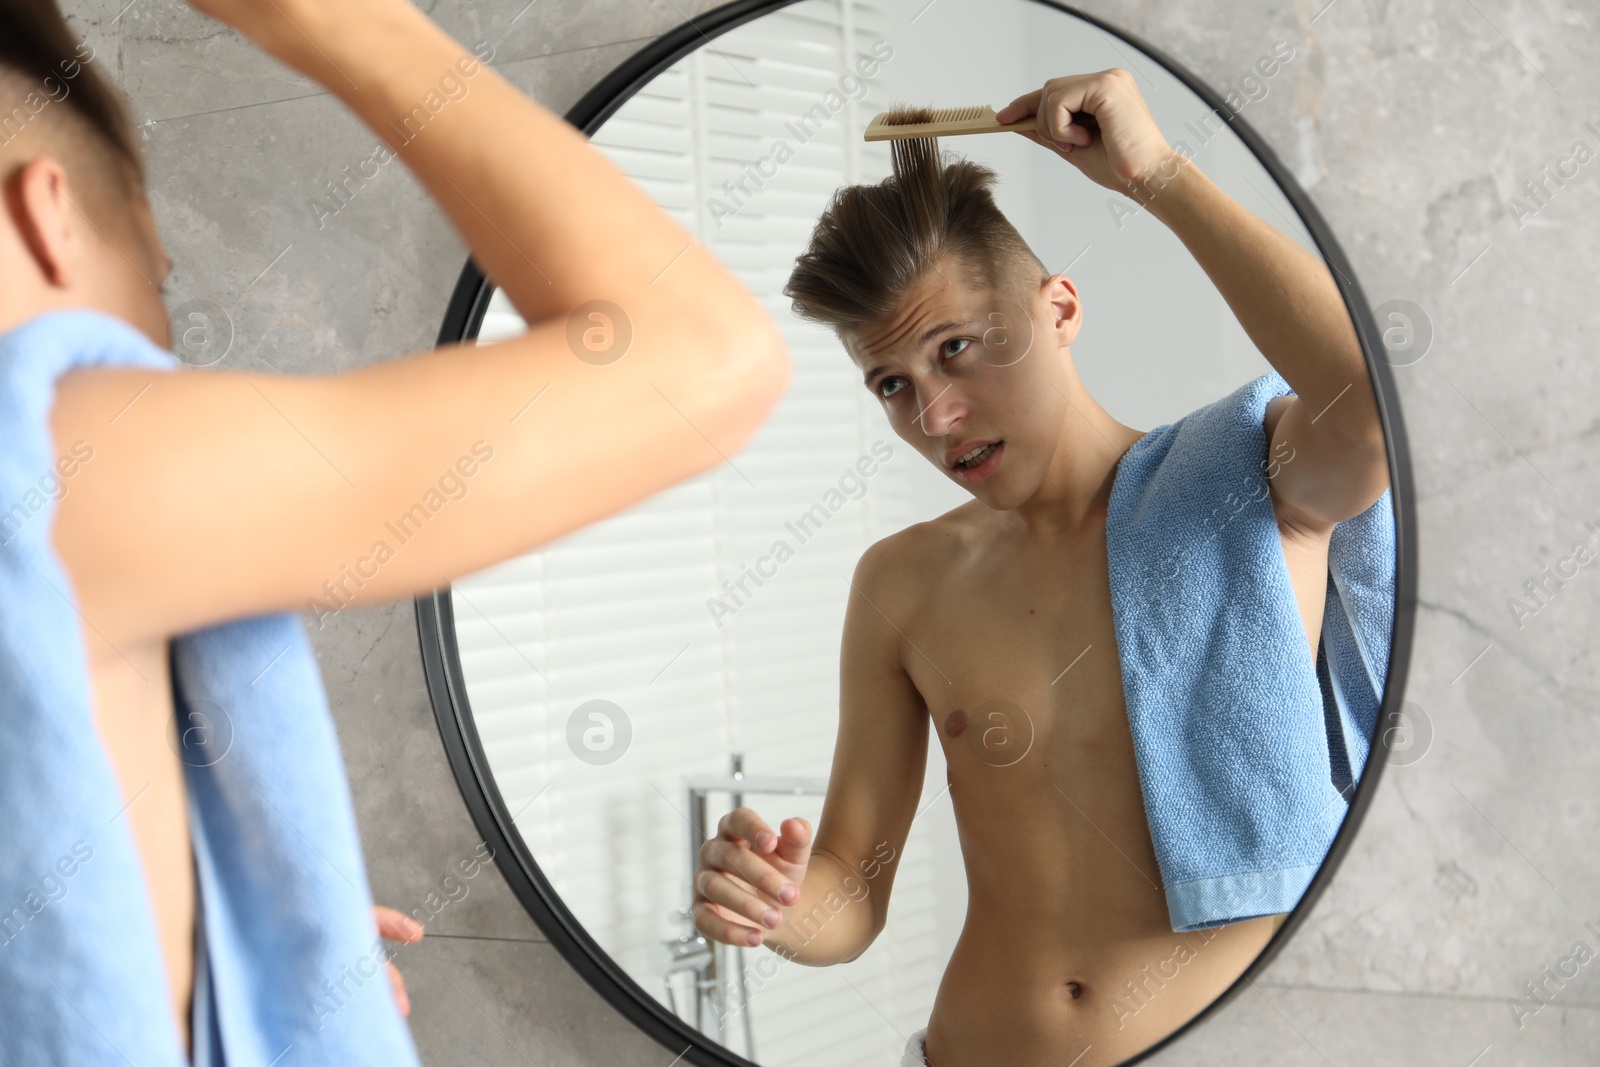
<point>53,102</point>
<point>873,242</point>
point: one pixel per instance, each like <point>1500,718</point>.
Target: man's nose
<point>939,403</point>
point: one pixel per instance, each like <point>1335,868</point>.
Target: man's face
<point>974,374</point>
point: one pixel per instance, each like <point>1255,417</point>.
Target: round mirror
<point>1061,796</point>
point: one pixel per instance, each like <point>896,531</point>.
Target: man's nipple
<point>954,723</point>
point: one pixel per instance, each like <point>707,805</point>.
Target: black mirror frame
<point>436,620</point>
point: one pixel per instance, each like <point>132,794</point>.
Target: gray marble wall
<point>1412,125</point>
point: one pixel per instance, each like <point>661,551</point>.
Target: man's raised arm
<point>217,495</point>
<point>1284,296</point>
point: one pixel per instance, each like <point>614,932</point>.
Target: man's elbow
<point>1353,440</point>
<point>1354,476</point>
<point>875,922</point>
<point>745,370</point>
<point>761,355</point>
<point>1360,429</point>
<point>1368,456</point>
<point>825,937</point>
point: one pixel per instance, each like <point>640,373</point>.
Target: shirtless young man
<point>992,601</point>
<point>205,503</point>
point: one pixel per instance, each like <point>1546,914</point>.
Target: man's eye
<point>963,341</point>
<point>883,389</point>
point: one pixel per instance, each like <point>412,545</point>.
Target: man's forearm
<point>832,921</point>
<point>1283,296</point>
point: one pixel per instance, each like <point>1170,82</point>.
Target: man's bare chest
<point>1019,645</point>
<point>1023,645</point>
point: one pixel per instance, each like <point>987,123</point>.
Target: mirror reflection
<point>1037,642</point>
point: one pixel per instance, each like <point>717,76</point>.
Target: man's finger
<point>1020,108</point>
<point>1057,113</point>
<point>1036,138</point>
<point>396,925</point>
<point>398,984</point>
<point>754,870</point>
<point>795,844</point>
<point>745,824</point>
<point>713,921</point>
<point>733,895</point>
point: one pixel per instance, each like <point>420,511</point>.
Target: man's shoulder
<point>1210,442</point>
<point>1257,400</point>
<point>921,548</point>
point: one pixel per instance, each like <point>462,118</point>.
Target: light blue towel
<point>296,964</point>
<point>1247,746</point>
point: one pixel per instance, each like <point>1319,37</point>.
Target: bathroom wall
<point>1414,127</point>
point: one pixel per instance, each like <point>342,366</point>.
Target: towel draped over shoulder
<point>297,965</point>
<point>1248,746</point>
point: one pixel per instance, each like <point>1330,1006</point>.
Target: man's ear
<point>1066,308</point>
<point>44,212</point>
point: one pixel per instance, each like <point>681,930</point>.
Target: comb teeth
<point>905,123</point>
<point>913,117</point>
<point>952,114</point>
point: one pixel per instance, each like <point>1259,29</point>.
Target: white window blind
<point>618,611</point>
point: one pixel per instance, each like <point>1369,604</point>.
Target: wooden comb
<point>945,122</point>
<point>952,121</point>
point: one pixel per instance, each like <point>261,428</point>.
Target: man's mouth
<point>976,456</point>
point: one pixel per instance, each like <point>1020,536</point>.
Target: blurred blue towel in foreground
<point>1247,747</point>
<point>296,963</point>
